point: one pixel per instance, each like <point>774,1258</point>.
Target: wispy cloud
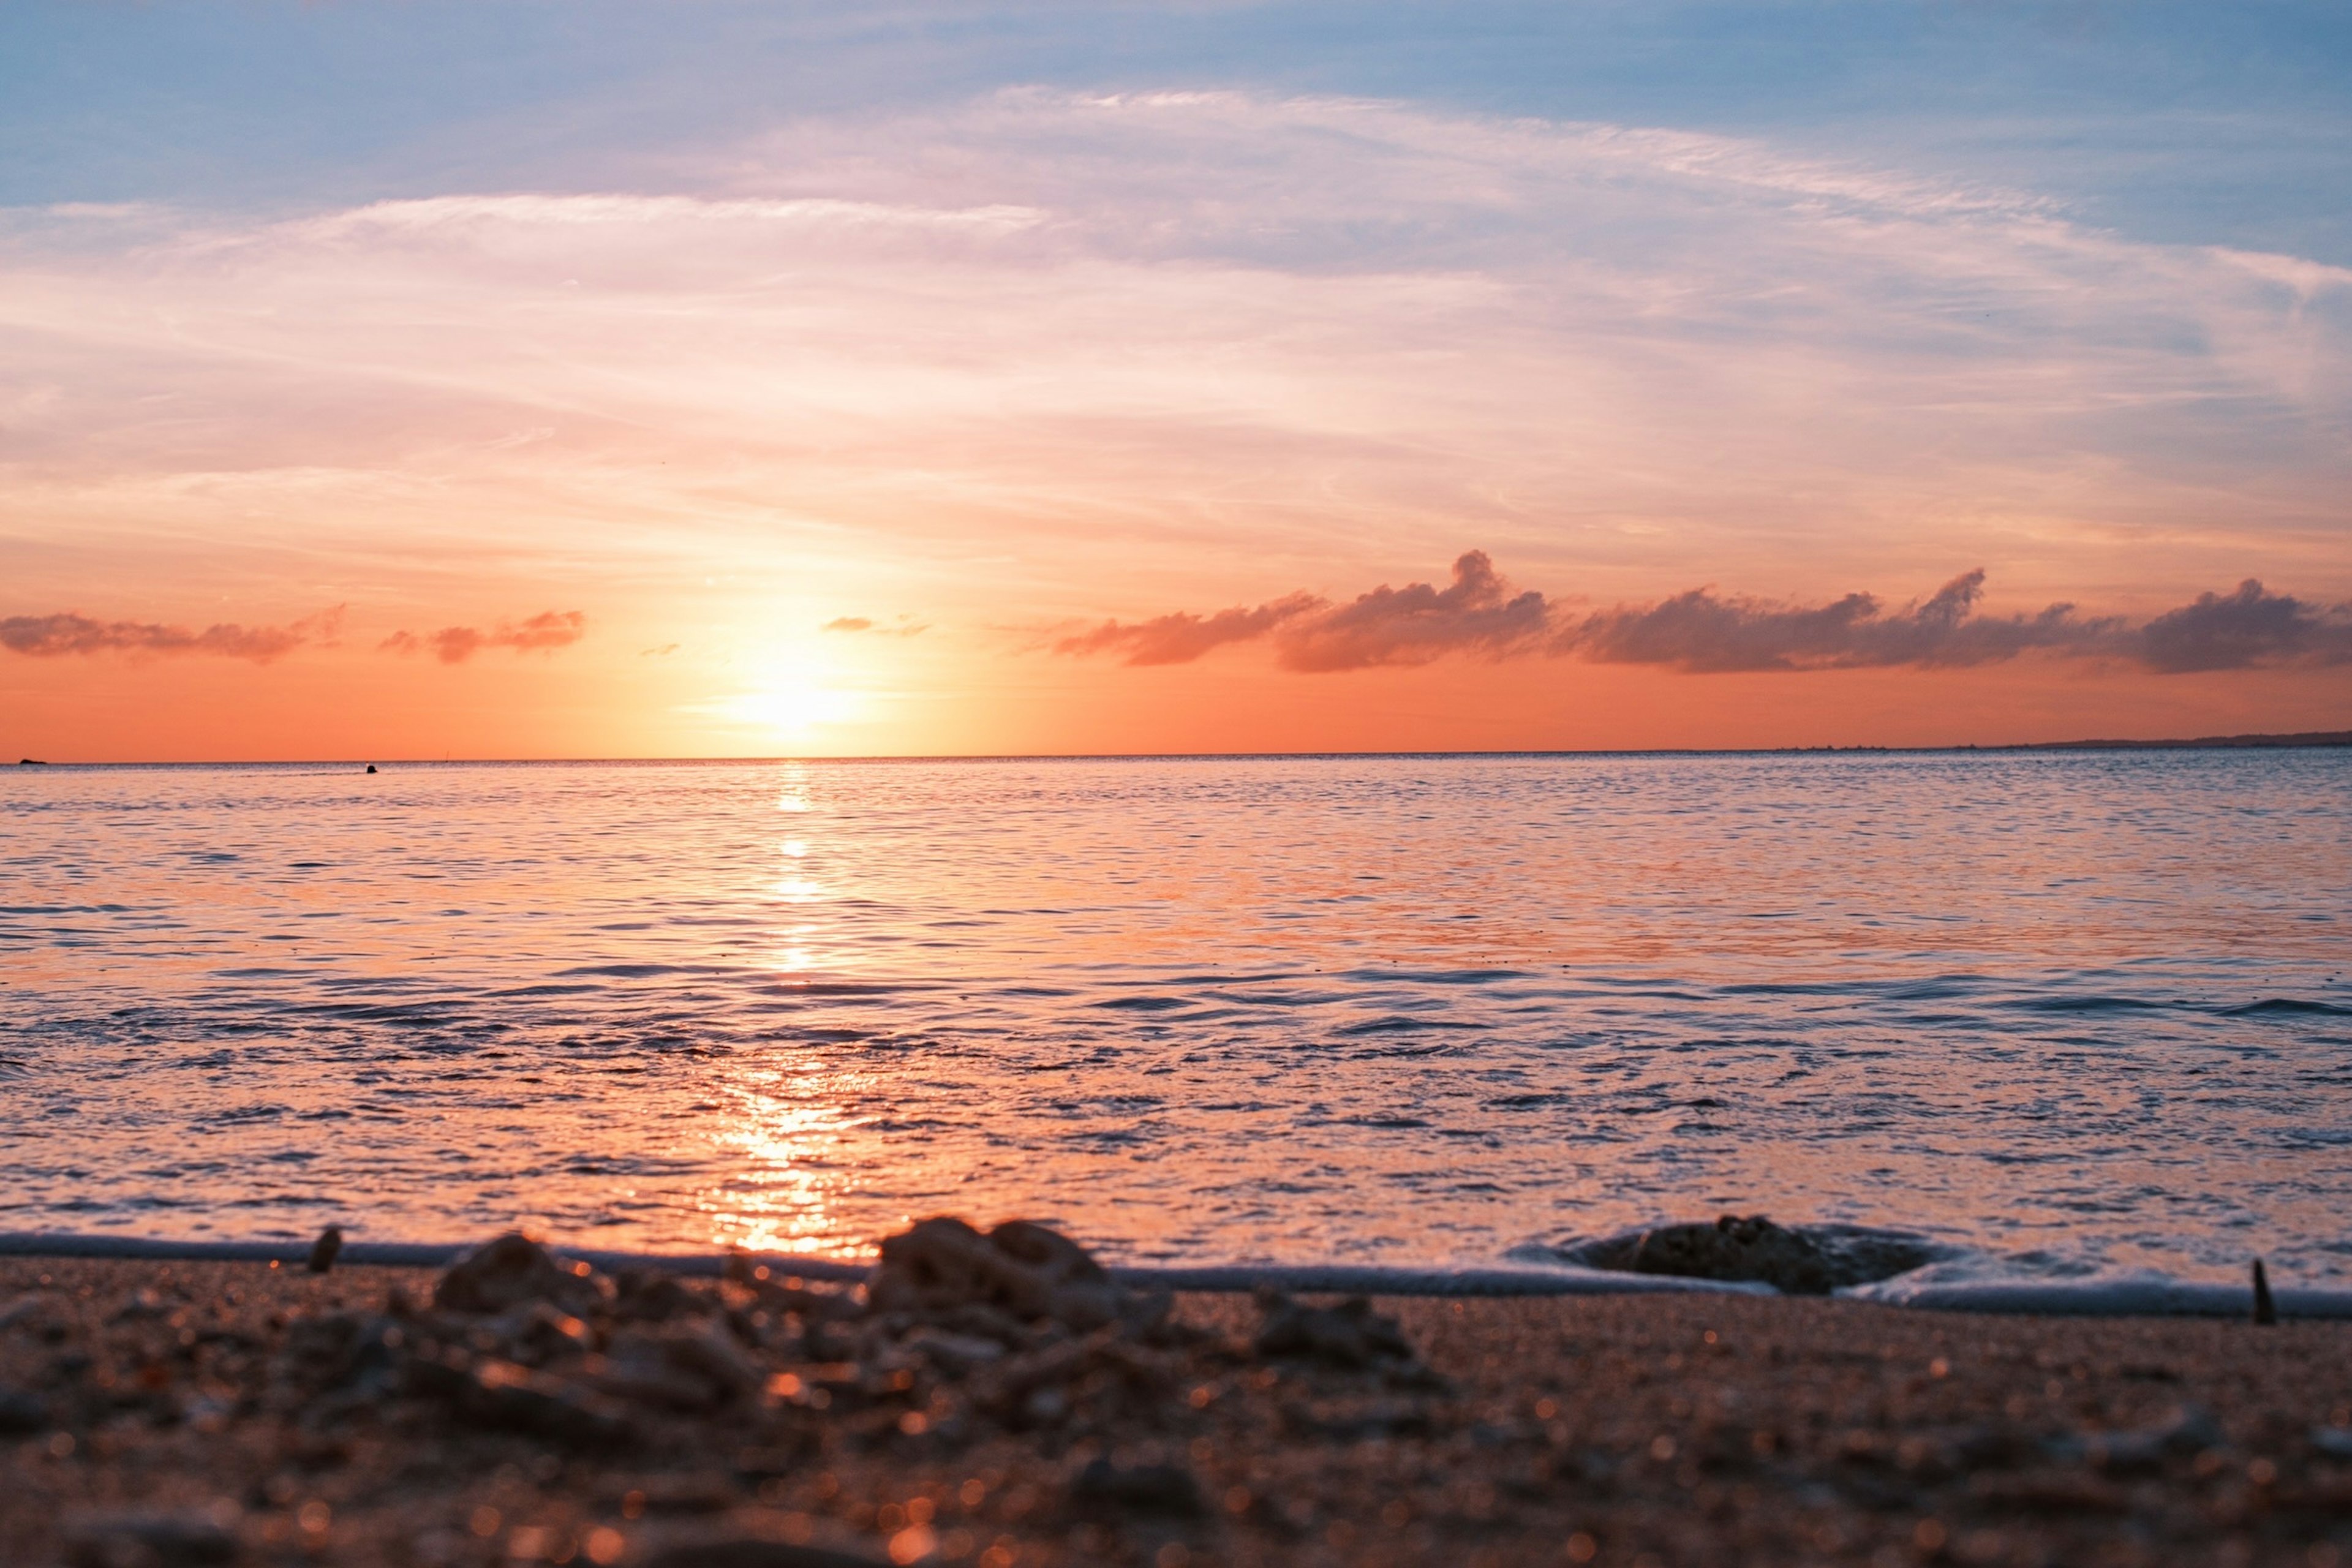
<point>907,627</point>
<point>1704,632</point>
<point>541,632</point>
<point>56,635</point>
<point>1181,637</point>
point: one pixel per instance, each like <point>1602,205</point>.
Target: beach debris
<point>324,1250</point>
<point>686,1370</point>
<point>1350,1335</point>
<point>2265,1309</point>
<point>511,1270</point>
<point>1169,1490</point>
<point>942,1265</point>
<point>1738,1249</point>
<point>144,1538</point>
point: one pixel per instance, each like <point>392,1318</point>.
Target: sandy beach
<point>160,1414</point>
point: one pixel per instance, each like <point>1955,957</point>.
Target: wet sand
<point>151,1413</point>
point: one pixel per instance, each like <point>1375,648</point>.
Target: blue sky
<point>2220,123</point>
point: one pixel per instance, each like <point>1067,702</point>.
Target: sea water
<point>2063,1011</point>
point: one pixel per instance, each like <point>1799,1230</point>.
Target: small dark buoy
<point>323,1250</point>
<point>2265,1309</point>
<point>371,767</point>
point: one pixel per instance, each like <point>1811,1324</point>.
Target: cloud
<point>2250,626</point>
<point>543,632</point>
<point>53,637</point>
<point>1077,344</point>
<point>864,623</point>
<point>1704,632</point>
<point>1697,631</point>
<point>1418,623</point>
<point>1182,637</point>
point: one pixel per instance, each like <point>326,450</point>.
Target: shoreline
<point>1689,1427</point>
<point>2130,1296</point>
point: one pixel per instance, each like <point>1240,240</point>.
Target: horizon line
<point>2305,739</point>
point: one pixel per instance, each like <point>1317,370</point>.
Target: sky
<point>571,378</point>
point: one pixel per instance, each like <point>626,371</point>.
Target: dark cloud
<point>1412,624</point>
<point>543,632</point>
<point>1702,633</point>
<point>2252,626</point>
<point>1418,623</point>
<point>1182,637</point>
<point>53,637</point>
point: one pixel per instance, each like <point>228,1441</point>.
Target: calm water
<point>2088,1008</point>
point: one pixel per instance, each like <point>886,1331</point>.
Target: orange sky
<point>996,371</point>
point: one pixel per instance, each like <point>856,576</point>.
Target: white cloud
<point>1051,336</point>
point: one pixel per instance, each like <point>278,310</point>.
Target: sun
<point>789,701</point>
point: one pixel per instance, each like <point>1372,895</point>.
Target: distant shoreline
<point>2298,740</point>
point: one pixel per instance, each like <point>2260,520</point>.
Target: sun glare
<point>788,705</point>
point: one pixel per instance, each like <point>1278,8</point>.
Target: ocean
<point>2071,1013</point>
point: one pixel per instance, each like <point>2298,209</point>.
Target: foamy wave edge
<point>1952,1287</point>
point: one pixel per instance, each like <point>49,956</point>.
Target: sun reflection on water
<point>790,1167</point>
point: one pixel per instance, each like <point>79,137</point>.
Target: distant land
<point>2307,738</point>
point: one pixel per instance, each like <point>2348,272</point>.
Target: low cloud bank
<point>455,645</point>
<point>1704,632</point>
<point>56,636</point>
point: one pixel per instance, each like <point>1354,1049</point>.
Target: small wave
<point>2087,1005</point>
<point>1399,1023</point>
<point>2287,1006</point>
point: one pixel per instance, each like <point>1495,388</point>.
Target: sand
<point>1619,1430</point>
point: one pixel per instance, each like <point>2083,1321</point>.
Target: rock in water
<point>510,1272</point>
<point>1019,1268</point>
<point>1736,1249</point>
<point>323,1250</point>
<point>2265,1309</point>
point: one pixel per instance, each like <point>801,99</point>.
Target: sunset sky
<point>574,378</point>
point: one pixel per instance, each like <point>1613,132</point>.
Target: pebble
<point>1020,1267</point>
<point>22,1414</point>
<point>752,1552</point>
<point>1347,1335</point>
<point>324,1250</point>
<point>511,1271</point>
<point>1103,1486</point>
<point>151,1539</point>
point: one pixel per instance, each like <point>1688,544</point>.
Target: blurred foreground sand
<point>1619,1430</point>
